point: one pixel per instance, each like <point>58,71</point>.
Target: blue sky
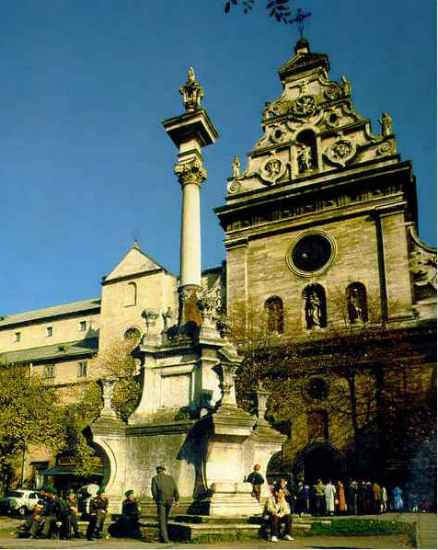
<point>86,166</point>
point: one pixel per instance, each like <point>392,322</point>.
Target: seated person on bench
<point>277,512</point>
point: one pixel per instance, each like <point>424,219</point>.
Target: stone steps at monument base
<point>205,528</point>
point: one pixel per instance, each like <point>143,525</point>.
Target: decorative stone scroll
<point>272,169</point>
<point>341,152</point>
<point>304,106</point>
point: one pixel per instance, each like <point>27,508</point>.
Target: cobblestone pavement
<point>426,525</point>
<point>301,542</point>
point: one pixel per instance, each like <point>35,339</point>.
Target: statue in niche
<point>386,124</point>
<point>305,158</point>
<point>192,92</point>
<point>346,85</point>
<point>313,309</point>
<point>356,310</point>
<point>236,167</point>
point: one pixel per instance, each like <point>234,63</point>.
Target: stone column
<point>190,132</point>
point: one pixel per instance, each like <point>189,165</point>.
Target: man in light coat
<point>330,495</point>
<point>165,493</point>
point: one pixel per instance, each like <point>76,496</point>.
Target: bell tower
<point>320,219</point>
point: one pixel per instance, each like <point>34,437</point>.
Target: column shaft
<point>190,249</point>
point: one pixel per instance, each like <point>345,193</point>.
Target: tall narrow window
<point>49,371</point>
<point>49,331</point>
<point>83,326</point>
<point>275,314</point>
<point>315,306</point>
<point>18,336</point>
<point>131,294</point>
<point>82,369</point>
<point>357,307</point>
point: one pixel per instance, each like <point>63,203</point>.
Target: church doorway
<point>319,461</point>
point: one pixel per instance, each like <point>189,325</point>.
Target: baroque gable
<point>311,129</point>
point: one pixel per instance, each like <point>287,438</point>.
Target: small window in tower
<point>131,294</point>
<point>18,336</point>
<point>82,369</point>
<point>49,331</point>
<point>83,326</point>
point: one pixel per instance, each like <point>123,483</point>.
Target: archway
<point>319,460</point>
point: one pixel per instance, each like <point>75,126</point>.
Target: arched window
<point>307,153</point>
<point>275,314</point>
<point>315,306</point>
<point>356,296</point>
<point>131,294</point>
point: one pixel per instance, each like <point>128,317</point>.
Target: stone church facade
<point>321,246</point>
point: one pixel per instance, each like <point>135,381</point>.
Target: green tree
<point>30,414</point>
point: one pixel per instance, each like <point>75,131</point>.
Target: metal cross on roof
<point>299,20</point>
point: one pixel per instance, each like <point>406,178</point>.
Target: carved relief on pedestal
<point>341,152</point>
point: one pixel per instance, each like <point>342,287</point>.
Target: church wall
<point>398,281</point>
<point>35,335</point>
<point>264,262</point>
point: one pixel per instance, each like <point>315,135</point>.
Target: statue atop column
<point>192,92</point>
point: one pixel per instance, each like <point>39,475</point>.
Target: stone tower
<point>320,226</point>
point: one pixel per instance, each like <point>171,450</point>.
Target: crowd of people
<point>59,516</point>
<point>56,516</point>
<point>350,497</point>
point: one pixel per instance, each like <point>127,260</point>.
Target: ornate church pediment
<point>311,129</point>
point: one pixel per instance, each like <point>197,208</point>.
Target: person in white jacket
<point>330,495</point>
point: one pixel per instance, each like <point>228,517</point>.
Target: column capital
<point>191,171</point>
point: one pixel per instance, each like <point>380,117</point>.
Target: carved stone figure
<point>305,158</point>
<point>386,124</point>
<point>192,92</point>
<point>355,306</point>
<point>166,316</point>
<point>236,167</point>
<point>107,395</point>
<point>313,309</point>
<point>346,86</point>
<point>149,316</point>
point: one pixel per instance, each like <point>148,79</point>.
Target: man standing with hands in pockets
<point>165,494</point>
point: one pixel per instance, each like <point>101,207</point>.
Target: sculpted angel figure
<point>346,85</point>
<point>305,159</point>
<point>236,167</point>
<point>386,124</point>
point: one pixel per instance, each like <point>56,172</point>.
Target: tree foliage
<point>280,10</point>
<point>30,414</point>
<point>117,362</point>
<point>376,381</point>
